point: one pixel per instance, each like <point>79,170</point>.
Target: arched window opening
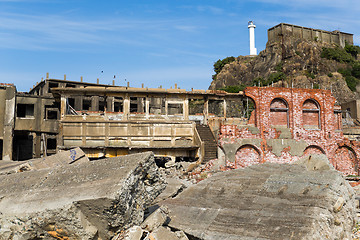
<point>247,155</point>
<point>279,112</point>
<point>312,149</point>
<point>311,114</point>
<point>346,161</point>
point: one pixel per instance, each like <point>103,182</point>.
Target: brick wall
<point>291,123</point>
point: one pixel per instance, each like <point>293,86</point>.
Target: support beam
<point>147,107</point>
<point>126,106</point>
<point>95,103</point>
<point>206,111</point>
<point>9,123</point>
<point>186,108</point>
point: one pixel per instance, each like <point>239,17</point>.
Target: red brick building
<point>289,123</point>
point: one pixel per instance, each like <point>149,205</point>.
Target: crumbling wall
<point>290,123</point>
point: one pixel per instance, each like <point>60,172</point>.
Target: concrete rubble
<point>308,200</point>
<point>75,155</point>
<point>153,228</point>
<point>91,200</point>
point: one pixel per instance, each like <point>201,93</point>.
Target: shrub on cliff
<point>352,49</point>
<point>234,89</point>
<point>219,64</point>
<point>338,54</point>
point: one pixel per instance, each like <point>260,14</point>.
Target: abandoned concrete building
<point>276,34</point>
<point>235,129</point>
<point>106,120</point>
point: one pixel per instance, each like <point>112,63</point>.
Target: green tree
<point>219,64</point>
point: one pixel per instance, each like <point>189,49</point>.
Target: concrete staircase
<point>209,141</point>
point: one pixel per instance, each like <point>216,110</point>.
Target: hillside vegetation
<point>294,62</point>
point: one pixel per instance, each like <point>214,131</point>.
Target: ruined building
<point>228,130</point>
<point>233,129</point>
<point>107,120</point>
<point>277,33</point>
<point>287,124</point>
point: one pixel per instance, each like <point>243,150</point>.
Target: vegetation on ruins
<point>348,54</point>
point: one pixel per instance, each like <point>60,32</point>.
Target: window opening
<point>25,110</point>
<point>279,112</point>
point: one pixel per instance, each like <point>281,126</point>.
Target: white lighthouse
<point>252,27</point>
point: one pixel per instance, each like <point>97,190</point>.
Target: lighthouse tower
<point>252,27</point>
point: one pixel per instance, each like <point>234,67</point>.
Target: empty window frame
<point>86,104</point>
<point>25,110</point>
<point>102,104</point>
<point>196,106</point>
<point>51,143</point>
<point>311,114</point>
<point>51,113</point>
<point>118,104</point>
<point>175,108</point>
<point>52,85</point>
<point>157,105</point>
<point>279,112</point>
<point>137,104</point>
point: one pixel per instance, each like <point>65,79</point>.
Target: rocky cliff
<point>291,62</point>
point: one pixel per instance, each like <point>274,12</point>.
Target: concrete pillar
<point>9,123</point>
<point>224,108</point>
<point>45,88</point>
<point>140,104</point>
<point>78,103</point>
<point>166,108</point>
<point>110,104</point>
<point>63,107</point>
<point>126,106</point>
<point>206,111</point>
<point>147,107</point>
<point>37,145</point>
<point>95,103</point>
<point>186,108</point>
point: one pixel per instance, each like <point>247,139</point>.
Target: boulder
<point>90,200</point>
<point>266,201</point>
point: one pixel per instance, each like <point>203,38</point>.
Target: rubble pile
<point>308,200</point>
<point>130,198</point>
<point>91,200</point>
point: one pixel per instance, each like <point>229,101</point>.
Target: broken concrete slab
<point>156,219</point>
<point>315,162</point>
<point>174,187</point>
<point>80,201</point>
<point>162,233</point>
<point>266,201</point>
<point>56,160</point>
<point>60,159</point>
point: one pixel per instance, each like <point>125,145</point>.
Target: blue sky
<point>154,42</point>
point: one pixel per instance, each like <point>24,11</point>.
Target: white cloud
<point>46,32</point>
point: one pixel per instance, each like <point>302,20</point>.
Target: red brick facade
<point>289,123</point>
